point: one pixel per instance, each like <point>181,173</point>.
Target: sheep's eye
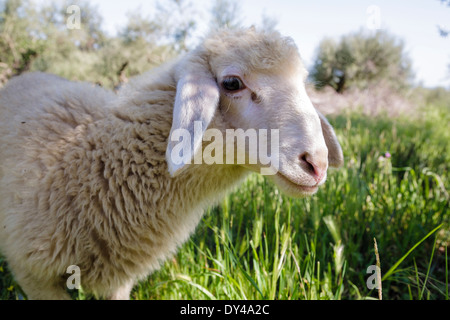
<point>232,84</point>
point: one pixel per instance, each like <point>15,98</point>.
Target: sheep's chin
<point>292,189</point>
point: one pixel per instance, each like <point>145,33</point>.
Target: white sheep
<point>84,174</point>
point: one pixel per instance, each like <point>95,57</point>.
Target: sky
<point>308,22</point>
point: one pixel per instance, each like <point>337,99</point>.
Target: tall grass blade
<point>394,267</point>
<point>380,293</point>
<point>446,274</point>
<point>428,270</point>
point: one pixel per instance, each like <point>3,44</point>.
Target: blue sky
<point>308,22</point>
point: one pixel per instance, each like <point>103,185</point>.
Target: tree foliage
<point>36,37</point>
<point>225,14</point>
<point>16,49</point>
<point>360,60</point>
<point>443,31</point>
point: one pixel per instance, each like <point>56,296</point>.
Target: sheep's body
<point>87,177</point>
<point>73,193</point>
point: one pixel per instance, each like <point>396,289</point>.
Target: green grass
<point>260,244</point>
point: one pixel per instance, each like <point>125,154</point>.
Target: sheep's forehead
<point>251,51</point>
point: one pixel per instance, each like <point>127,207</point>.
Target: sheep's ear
<point>196,101</point>
<point>335,155</point>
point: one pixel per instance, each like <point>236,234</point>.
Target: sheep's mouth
<point>292,187</point>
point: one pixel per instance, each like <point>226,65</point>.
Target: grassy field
<point>259,244</point>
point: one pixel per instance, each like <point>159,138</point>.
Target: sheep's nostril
<point>314,168</point>
<point>306,164</point>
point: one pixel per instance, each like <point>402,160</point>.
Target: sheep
<point>88,177</point>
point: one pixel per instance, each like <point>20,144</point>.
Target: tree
<point>147,41</point>
<point>359,60</point>
<point>17,50</point>
<point>140,28</point>
<point>179,20</point>
<point>37,38</point>
<point>70,53</point>
<point>136,49</point>
<point>225,14</point>
<point>442,30</point>
<point>268,23</point>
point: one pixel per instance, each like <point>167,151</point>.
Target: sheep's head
<point>253,81</point>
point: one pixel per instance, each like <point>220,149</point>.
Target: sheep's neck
<point>131,180</point>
